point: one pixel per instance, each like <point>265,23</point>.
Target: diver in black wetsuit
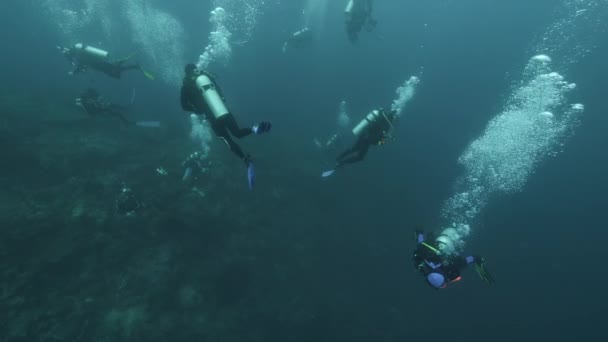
<point>374,129</point>
<point>95,105</point>
<point>298,39</point>
<point>201,95</point>
<point>84,57</point>
<point>358,15</point>
<point>440,270</point>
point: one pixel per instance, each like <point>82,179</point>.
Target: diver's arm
<point>78,69</point>
<point>186,104</point>
<point>420,236</point>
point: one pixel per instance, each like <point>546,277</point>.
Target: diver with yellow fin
<point>439,269</point>
<point>84,57</point>
<point>375,129</point>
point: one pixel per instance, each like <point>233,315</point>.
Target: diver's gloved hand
<point>419,235</point>
<point>262,127</point>
<point>482,271</point>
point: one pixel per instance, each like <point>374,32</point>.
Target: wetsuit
<point>95,105</point>
<point>111,68</point>
<point>374,135</point>
<point>427,260</point>
<point>299,39</point>
<point>361,16</point>
<point>192,101</point>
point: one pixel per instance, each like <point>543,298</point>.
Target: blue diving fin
<point>250,175</point>
<point>328,173</point>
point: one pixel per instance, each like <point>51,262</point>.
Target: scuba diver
<point>84,57</point>
<point>374,129</point>
<point>126,203</point>
<point>438,269</point>
<point>95,105</point>
<point>201,95</point>
<point>358,15</point>
<point>194,166</point>
<point>298,39</point>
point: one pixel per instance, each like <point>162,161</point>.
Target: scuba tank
<point>211,96</point>
<point>91,52</point>
<point>364,124</point>
<point>447,238</point>
<point>450,239</point>
<point>349,8</point>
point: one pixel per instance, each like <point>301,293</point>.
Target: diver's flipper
<point>250,175</point>
<point>148,74</point>
<point>483,273</point>
<point>327,173</point>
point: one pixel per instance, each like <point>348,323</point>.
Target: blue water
<point>301,258</point>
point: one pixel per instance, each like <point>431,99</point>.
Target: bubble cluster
<point>242,17</point>
<point>69,17</point>
<point>219,48</point>
<point>343,118</point>
<point>160,36</point>
<point>532,127</point>
<point>200,133</point>
<point>574,33</point>
<point>404,94</point>
<point>72,17</point>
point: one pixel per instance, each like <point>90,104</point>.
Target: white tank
<point>92,52</point>
<point>447,239</point>
<point>364,124</point>
<point>211,96</point>
<point>349,7</point>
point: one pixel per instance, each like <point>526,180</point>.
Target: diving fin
<point>327,173</point>
<point>483,273</point>
<point>250,175</point>
<point>148,74</point>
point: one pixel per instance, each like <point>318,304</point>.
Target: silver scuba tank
<point>349,7</point>
<point>211,96</point>
<point>364,124</point>
<point>91,51</point>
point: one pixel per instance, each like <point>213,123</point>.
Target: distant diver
<point>126,203</point>
<point>201,95</point>
<point>194,166</point>
<point>298,39</point>
<point>375,129</point>
<point>358,16</point>
<point>84,57</point>
<point>95,105</point>
<point>440,270</point>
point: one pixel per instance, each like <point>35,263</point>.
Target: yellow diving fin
<point>148,74</point>
<point>484,274</point>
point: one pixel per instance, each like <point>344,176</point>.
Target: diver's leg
<point>234,147</point>
<point>233,127</point>
<point>344,154</point>
<point>129,67</point>
<point>360,149</point>
<point>115,112</point>
<point>221,131</point>
<point>354,159</point>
